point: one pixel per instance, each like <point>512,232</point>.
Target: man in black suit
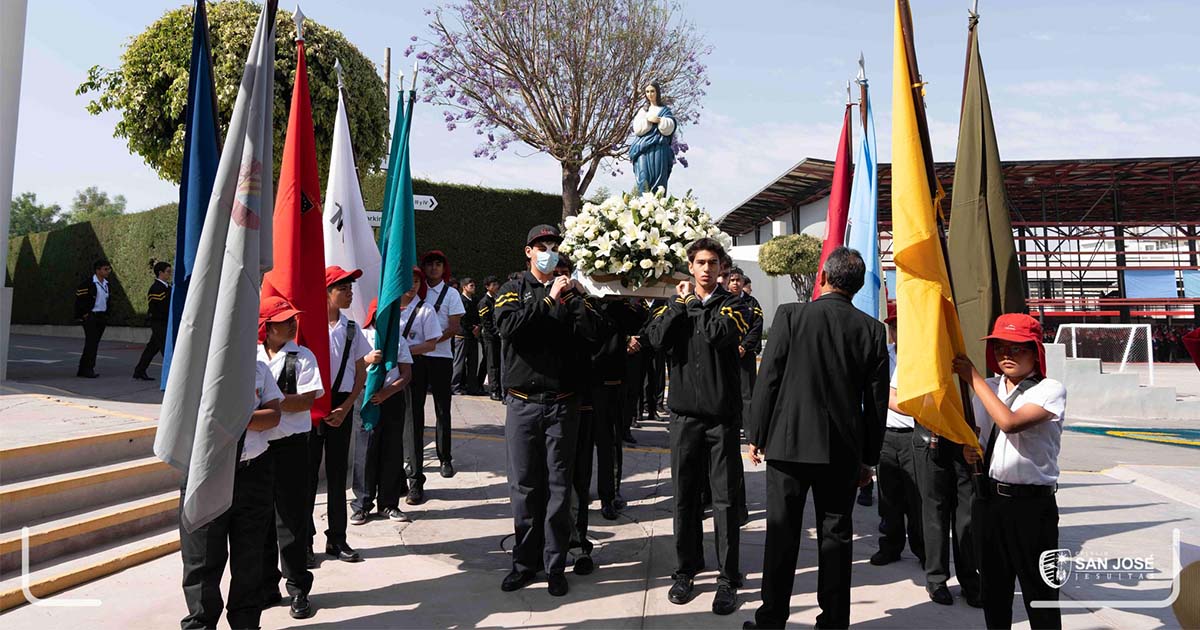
<point>817,419</point>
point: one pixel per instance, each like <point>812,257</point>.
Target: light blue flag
<point>862,226</point>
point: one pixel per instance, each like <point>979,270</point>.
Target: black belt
<point>1017,490</point>
<point>900,430</point>
<point>543,398</point>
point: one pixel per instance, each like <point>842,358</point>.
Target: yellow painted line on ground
<point>50,585</point>
<point>36,488</point>
<point>47,448</point>
<point>12,542</point>
<point>91,408</point>
<point>1153,436</point>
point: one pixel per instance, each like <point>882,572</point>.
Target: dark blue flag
<point>200,157</point>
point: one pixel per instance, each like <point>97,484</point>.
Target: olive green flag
<point>983,259</point>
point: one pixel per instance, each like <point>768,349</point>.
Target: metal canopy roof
<point>1149,190</point>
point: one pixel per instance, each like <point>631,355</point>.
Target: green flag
<point>983,258</point>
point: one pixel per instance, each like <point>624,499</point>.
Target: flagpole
<point>923,130</point>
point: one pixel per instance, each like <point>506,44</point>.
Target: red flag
<point>299,266</point>
<point>839,199</point>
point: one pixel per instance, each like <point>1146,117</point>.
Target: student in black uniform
<point>751,344</point>
<point>699,331</point>
<point>91,308</point>
<point>1021,415</point>
<point>158,299</point>
<point>466,343</point>
<point>490,338</point>
<point>655,366</point>
<point>295,369</point>
<point>538,315</point>
<point>238,534</point>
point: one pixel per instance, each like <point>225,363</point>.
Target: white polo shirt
<point>896,420</point>
<point>308,379</point>
<point>452,305</point>
<point>265,390</point>
<point>101,305</point>
<point>402,356</point>
<point>1031,456</point>
<point>359,348</point>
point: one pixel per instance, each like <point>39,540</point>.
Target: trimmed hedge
<point>482,231</point>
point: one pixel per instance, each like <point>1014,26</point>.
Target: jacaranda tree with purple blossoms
<point>562,76</point>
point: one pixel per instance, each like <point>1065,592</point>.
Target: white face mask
<point>546,261</point>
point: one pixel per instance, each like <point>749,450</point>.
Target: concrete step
<point>76,569</point>
<point>72,533</point>
<point>25,502</point>
<point>76,453</point>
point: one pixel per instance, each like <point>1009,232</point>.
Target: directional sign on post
<point>420,202</point>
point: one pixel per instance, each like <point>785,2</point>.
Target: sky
<point>1067,79</point>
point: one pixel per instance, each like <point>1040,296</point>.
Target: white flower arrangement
<point>637,240</point>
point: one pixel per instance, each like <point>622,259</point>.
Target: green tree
<point>91,203</point>
<point>150,86</point>
<point>795,256</point>
<point>29,216</point>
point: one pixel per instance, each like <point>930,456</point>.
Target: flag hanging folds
<point>983,257</point>
<point>349,242</point>
<point>210,391</point>
<point>862,224</point>
<point>299,270</point>
<point>839,198</point>
<point>927,324</point>
<point>200,156</point>
<point>398,241</point>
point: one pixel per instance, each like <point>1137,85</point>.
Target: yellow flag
<point>928,331</point>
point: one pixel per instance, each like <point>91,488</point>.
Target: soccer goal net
<point>1121,348</point>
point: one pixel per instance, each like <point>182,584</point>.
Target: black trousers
<point>1015,532</point>
<point>581,475</point>
<point>93,329</point>
<point>748,366</point>
<point>697,445</point>
<point>430,375</point>
<point>656,381</point>
<point>540,440</point>
<point>286,544</point>
<point>379,457</point>
<point>243,527</point>
<point>634,390</point>
<point>833,488</point>
<point>334,444</point>
<point>899,496</point>
<point>158,340</point>
<point>606,432</point>
<point>492,345</point>
<point>947,500</point>
<point>465,366</point>
<point>486,352</point>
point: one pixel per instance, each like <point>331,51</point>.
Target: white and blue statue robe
<point>651,151</point>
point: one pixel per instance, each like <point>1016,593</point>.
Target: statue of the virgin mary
<point>650,150</point>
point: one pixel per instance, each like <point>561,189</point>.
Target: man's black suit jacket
<point>822,389</point>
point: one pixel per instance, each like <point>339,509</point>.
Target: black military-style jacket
<point>158,297</point>
<point>700,340</point>
<point>609,359</point>
<point>752,341</point>
<point>487,317</point>
<point>539,333</point>
<point>85,297</point>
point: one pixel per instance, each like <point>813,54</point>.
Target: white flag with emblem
<point>210,390</point>
<point>349,241</point>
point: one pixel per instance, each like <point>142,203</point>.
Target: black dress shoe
<point>681,590</point>
<point>939,594</point>
<point>880,558</point>
<point>310,560</point>
<point>584,565</point>
<point>142,376</point>
<point>497,397</point>
<point>608,511</point>
<point>619,502</point>
<point>343,552</point>
<point>749,625</point>
<point>416,496</point>
<point>447,470</point>
<point>628,438</point>
<point>557,584</point>
<point>974,600</point>
<point>300,607</point>
<point>516,580</point>
<point>725,601</point>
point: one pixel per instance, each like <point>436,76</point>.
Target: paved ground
<point>1117,498</point>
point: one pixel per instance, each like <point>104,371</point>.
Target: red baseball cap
<point>275,309</point>
<point>371,310</point>
<point>335,274</point>
<point>891,313</point>
<point>1017,328</point>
